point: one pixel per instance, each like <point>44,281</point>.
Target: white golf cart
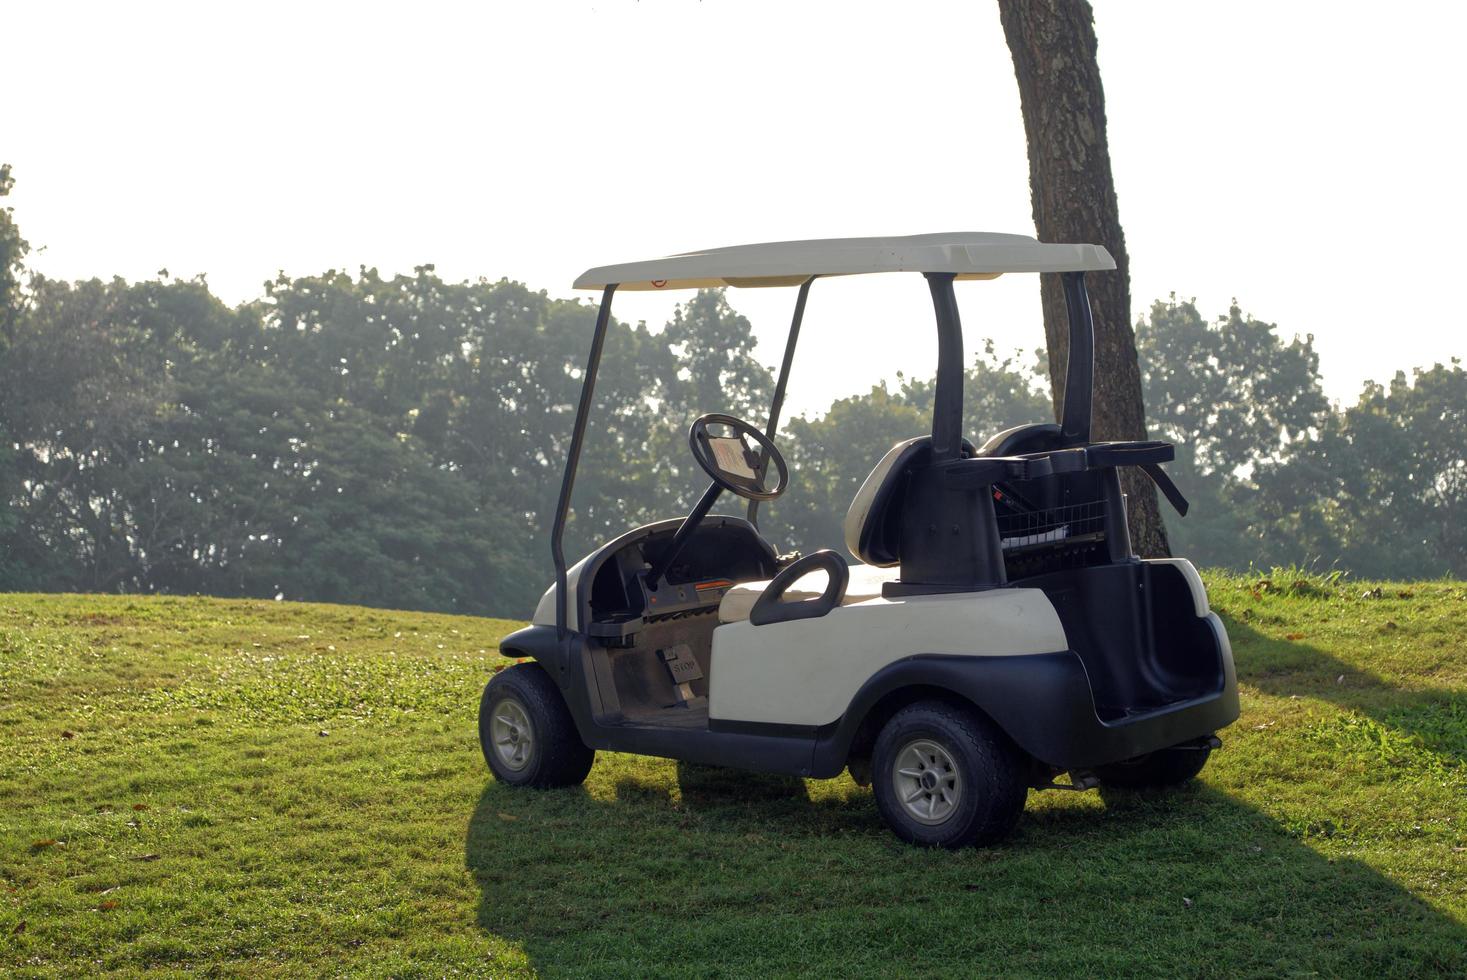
<point>998,633</point>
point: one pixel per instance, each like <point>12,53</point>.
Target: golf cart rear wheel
<point>527,733</point>
<point>946,776</point>
<point>1167,767</point>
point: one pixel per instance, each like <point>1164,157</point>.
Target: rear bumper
<point>1058,723</point>
<point>1044,702</point>
<point>1072,736</point>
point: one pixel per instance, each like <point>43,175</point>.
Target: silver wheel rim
<point>510,731</point>
<point>925,778</point>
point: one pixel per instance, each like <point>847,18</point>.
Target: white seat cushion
<point>866,582</point>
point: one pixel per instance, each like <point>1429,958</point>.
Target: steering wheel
<point>734,466</point>
<point>732,463</point>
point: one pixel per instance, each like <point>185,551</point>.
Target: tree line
<point>398,441</point>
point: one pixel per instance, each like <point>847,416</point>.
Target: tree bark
<point>1074,200</point>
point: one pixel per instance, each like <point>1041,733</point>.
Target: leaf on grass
<point>1340,679</point>
<point>68,734</point>
<point>134,823</point>
<point>19,928</point>
<point>1459,850</point>
<point>37,845</point>
<point>145,857</point>
<point>108,905</point>
<point>1266,724</point>
<point>1405,594</point>
<point>507,816</point>
<point>1293,636</point>
<point>140,807</point>
<point>1391,625</point>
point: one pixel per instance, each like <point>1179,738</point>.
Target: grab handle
<point>769,607</point>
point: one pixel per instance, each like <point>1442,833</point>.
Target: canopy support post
<point>1080,366</point>
<point>947,402</point>
<point>784,376</point>
<point>573,459</point>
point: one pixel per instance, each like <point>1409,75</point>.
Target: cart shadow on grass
<point>737,874</point>
<point>720,871</point>
<point>1435,717</point>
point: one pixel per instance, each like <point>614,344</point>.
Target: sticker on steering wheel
<point>729,455</point>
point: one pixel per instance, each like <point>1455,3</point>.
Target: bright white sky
<point>1303,157</point>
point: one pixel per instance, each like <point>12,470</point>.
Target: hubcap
<point>514,739</point>
<point>926,781</point>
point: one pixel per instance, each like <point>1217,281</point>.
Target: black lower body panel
<point>787,754</point>
<point>1046,704</point>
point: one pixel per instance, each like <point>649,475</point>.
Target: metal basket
<point>1052,527</point>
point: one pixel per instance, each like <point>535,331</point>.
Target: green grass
<point>255,788</point>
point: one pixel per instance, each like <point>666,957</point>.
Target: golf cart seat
<point>865,583</point>
<point>871,535</point>
<point>873,524</point>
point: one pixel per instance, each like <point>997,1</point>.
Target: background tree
<point>1390,478</point>
<point>1074,200</point>
<point>399,440</point>
<point>13,250</point>
<point>1238,402</point>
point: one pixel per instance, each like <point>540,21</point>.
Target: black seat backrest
<point>873,523</point>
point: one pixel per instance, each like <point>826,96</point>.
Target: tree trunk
<point>1074,200</point>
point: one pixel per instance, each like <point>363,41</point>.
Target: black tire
<point>1168,767</point>
<point>970,758</point>
<point>539,745</point>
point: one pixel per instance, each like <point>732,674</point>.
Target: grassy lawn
<point>252,787</point>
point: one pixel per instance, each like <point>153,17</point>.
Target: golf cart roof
<point>966,254</point>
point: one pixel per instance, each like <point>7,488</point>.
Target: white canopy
<point>968,254</point>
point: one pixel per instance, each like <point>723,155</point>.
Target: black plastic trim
<point>1043,702</point>
<point>731,727</point>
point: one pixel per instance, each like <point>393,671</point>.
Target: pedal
<point>683,668</point>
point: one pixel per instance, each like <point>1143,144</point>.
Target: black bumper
<point>1045,704</point>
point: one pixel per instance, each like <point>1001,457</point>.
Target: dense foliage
<point>399,441</point>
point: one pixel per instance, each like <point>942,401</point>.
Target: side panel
<point>806,672</point>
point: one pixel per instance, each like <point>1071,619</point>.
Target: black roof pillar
<point>947,403</point>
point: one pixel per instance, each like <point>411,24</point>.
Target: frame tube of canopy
<point>573,459</point>
<point>947,412</point>
<point>947,399</point>
<point>777,405</point>
<point>1080,366</point>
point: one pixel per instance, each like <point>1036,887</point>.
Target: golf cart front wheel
<point>527,733</point>
<point>946,776</point>
<point>1167,767</point>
